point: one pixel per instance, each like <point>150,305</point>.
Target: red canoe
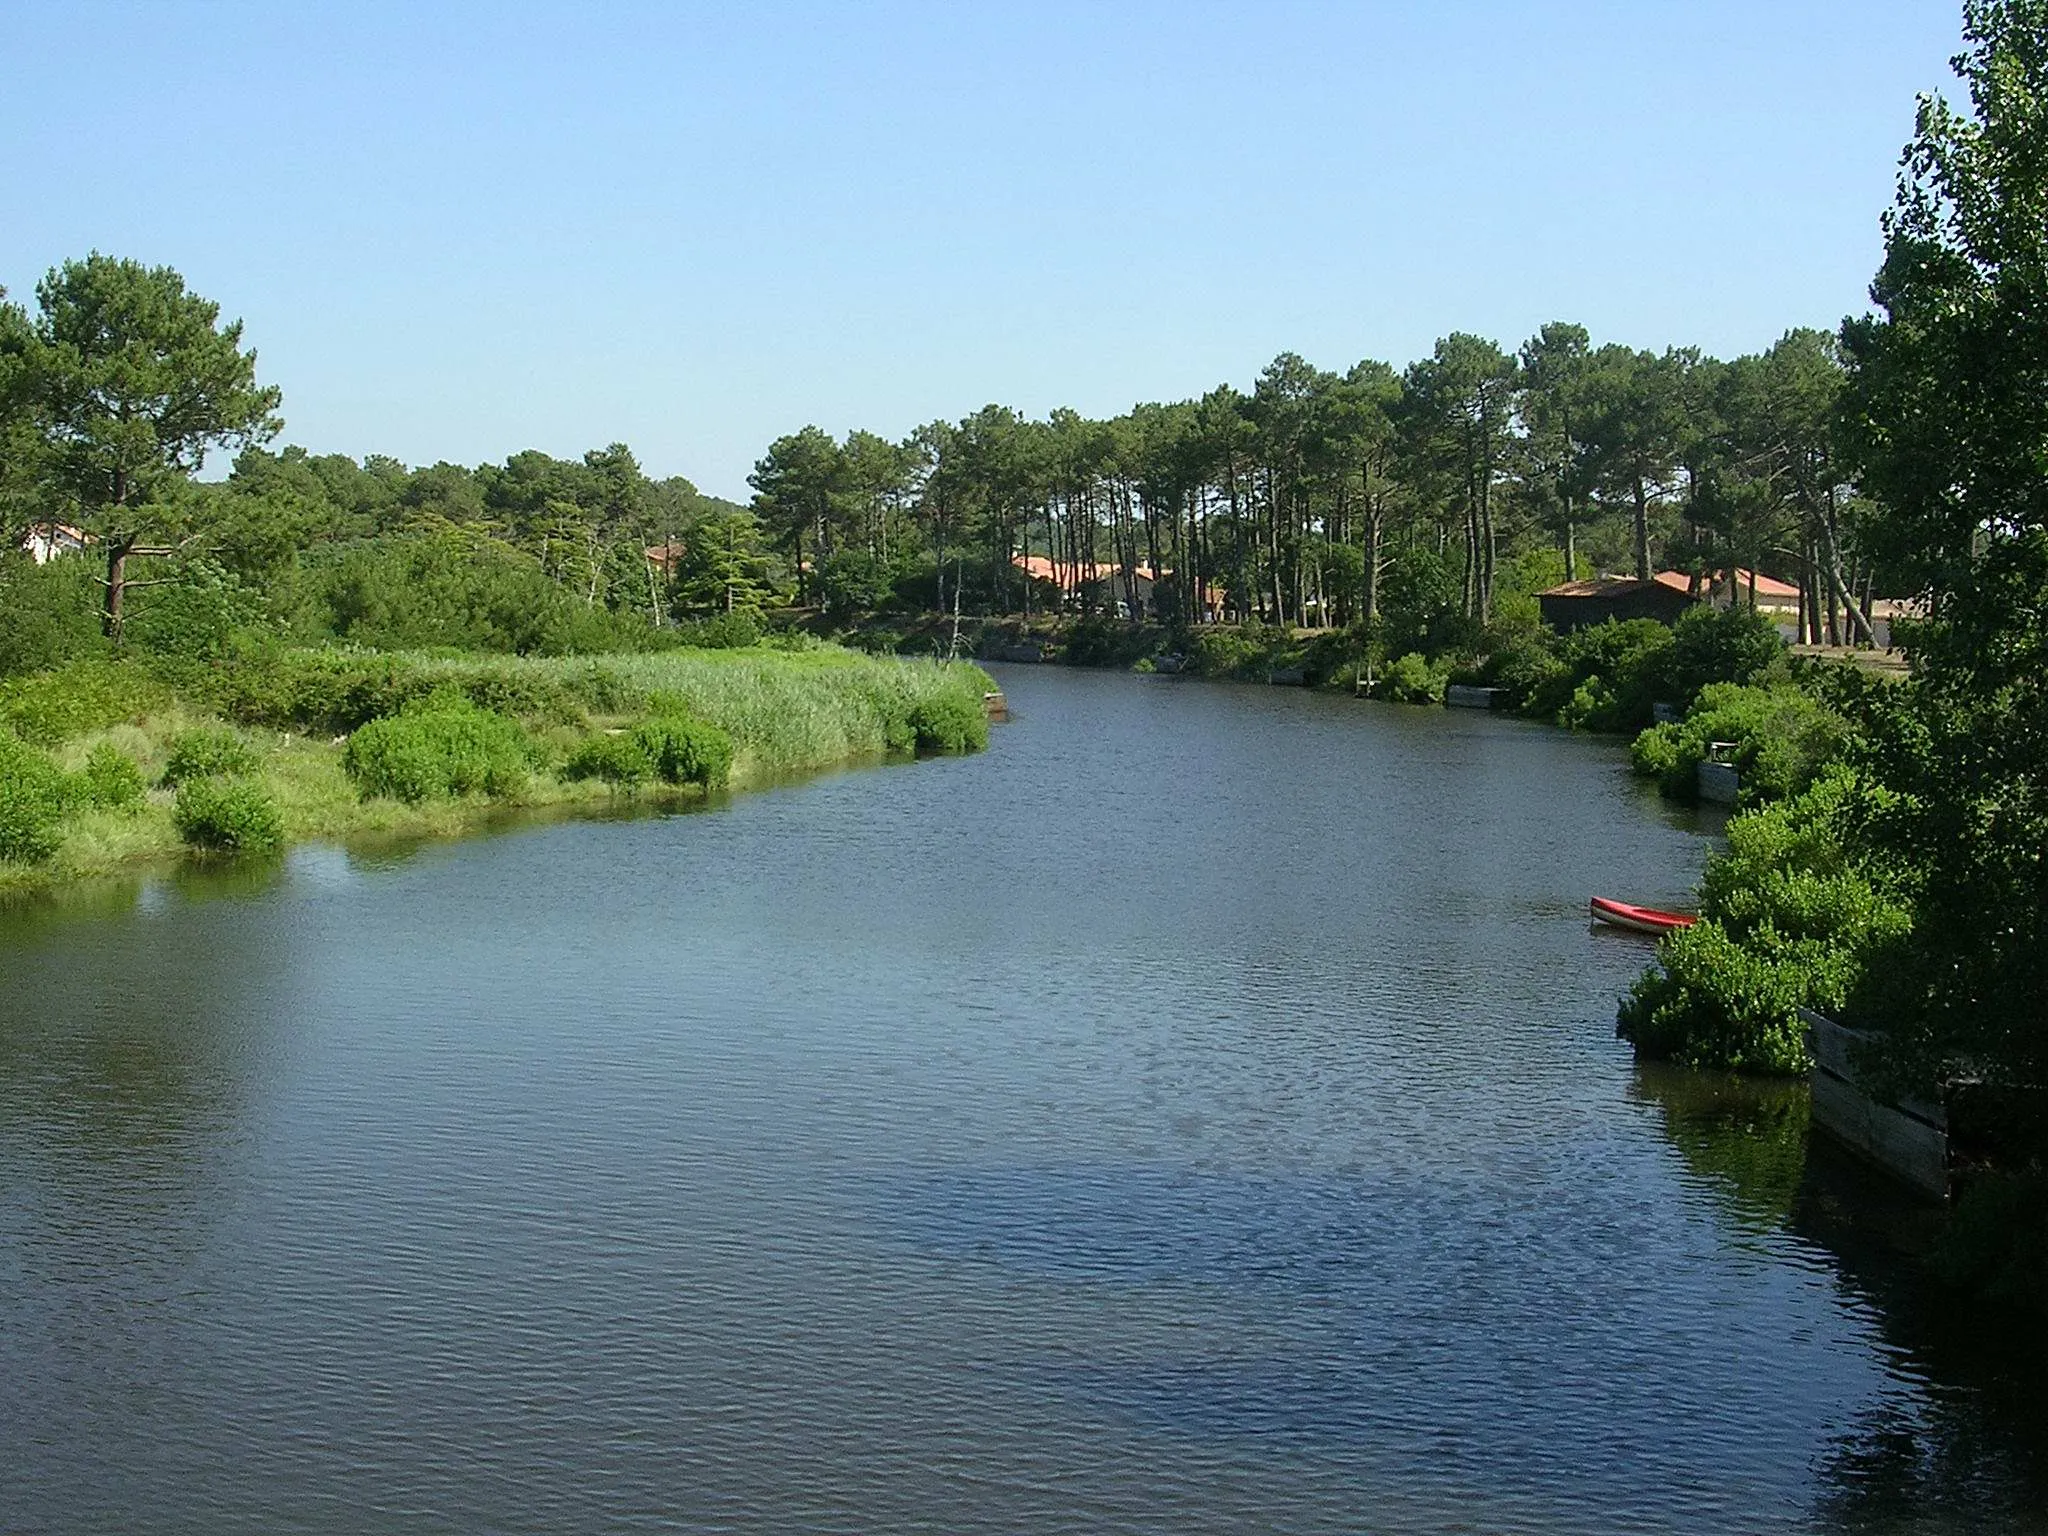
<point>1621,914</point>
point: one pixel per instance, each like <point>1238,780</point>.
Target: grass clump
<point>205,753</point>
<point>440,747</point>
<point>223,815</point>
<point>618,760</point>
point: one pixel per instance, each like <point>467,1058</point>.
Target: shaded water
<point>1200,1113</point>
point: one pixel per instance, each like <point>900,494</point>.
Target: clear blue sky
<point>455,231</point>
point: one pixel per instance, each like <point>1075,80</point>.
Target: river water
<point>1199,1113</point>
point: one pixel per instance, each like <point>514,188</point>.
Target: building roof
<point>1766,586</point>
<point>1601,586</point>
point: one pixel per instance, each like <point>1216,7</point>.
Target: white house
<point>44,542</point>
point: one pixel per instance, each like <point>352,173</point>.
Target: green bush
<point>111,780</point>
<point>615,759</point>
<point>685,751</point>
<point>1716,1003</point>
<point>207,753</point>
<point>1248,651</point>
<point>1412,680</point>
<point>438,747</point>
<point>722,632</point>
<point>1791,918</point>
<point>86,695</point>
<point>49,614</point>
<point>34,794</point>
<point>1607,677</point>
<point>1782,739</point>
<point>227,816</point>
<point>950,723</point>
<point>1720,645</point>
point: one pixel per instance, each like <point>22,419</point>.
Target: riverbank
<point>279,724</point>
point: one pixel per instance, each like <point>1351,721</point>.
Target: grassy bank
<point>114,766</point>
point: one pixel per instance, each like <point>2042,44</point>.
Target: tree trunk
<point>1642,497</point>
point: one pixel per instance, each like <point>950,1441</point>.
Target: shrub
<point>723,632</point>
<point>615,759</point>
<point>33,797</point>
<point>1245,651</point>
<point>437,747</point>
<point>86,695</point>
<point>110,779</point>
<point>1608,676</point>
<point>950,723</point>
<point>1720,645</point>
<point>227,816</point>
<point>1412,680</point>
<point>1790,919</point>
<point>207,753</point>
<point>685,751</point>
<point>49,614</point>
<point>1716,1003</point>
<point>1782,738</point>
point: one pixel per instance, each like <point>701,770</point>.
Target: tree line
<point>1316,496</point>
<point>121,382</point>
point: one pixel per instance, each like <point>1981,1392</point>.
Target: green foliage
<point>1782,739</point>
<point>1792,915</point>
<point>949,723</point>
<point>682,750</point>
<point>337,690</point>
<point>721,632</point>
<point>33,798</point>
<point>111,779</point>
<point>1607,677</point>
<point>619,760</point>
<point>49,614</point>
<point>1247,651</point>
<point>1412,680</point>
<point>1719,645</point>
<point>438,747</point>
<point>198,614</point>
<point>1717,1003</point>
<point>80,696</point>
<point>852,582</point>
<point>461,592</point>
<point>224,815</point>
<point>205,753</point>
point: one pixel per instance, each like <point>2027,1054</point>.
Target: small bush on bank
<point>723,632</point>
<point>1247,651</point>
<point>618,760</point>
<point>34,795</point>
<point>207,753</point>
<point>1782,739</point>
<point>949,723</point>
<point>438,747</point>
<point>1716,1003</point>
<point>111,779</point>
<point>1789,919</point>
<point>1412,680</point>
<point>227,816</point>
<point>1607,678</point>
<point>682,750</point>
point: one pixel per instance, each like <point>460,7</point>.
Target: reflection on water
<point>1202,1113</point>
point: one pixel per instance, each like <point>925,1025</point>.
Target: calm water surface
<point>1200,1113</point>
